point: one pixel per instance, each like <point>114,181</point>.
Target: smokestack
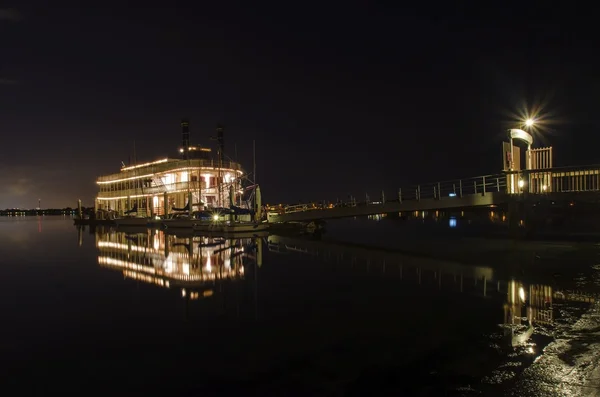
<point>220,141</point>
<point>185,136</point>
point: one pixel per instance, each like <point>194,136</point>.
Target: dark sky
<point>340,99</point>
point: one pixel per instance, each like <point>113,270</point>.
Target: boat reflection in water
<point>192,263</point>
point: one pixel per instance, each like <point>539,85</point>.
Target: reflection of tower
<point>255,291</point>
<point>513,308</point>
<point>259,251</point>
<point>80,235</point>
<point>540,301</point>
<point>539,304</point>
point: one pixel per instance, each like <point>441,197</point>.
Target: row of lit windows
<point>207,181</point>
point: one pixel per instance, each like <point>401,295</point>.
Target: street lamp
<point>528,124</point>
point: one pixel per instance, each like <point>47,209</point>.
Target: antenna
<point>254,160</point>
<point>134,155</point>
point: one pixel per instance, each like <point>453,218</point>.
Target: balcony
<point>193,186</point>
<point>170,166</point>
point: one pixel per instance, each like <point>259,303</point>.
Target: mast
<point>257,198</point>
<point>185,140</point>
<point>221,145</point>
<point>237,184</point>
<point>136,184</point>
<point>219,180</point>
<point>189,179</point>
<point>219,183</point>
<point>199,182</point>
<point>189,192</point>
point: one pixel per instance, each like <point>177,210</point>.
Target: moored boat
<point>195,192</point>
<point>185,220</point>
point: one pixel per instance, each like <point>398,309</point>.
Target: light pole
<point>528,124</point>
<point>523,135</point>
<point>520,134</point>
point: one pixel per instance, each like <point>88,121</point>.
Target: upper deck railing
<point>171,164</point>
<point>193,186</point>
<point>542,181</point>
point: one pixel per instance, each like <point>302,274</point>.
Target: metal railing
<point>542,181</point>
<point>168,166</point>
<point>153,190</point>
<point>434,190</point>
<point>557,180</point>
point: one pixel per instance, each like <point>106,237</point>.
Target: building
<point>197,179</point>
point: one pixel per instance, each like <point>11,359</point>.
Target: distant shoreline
<point>35,212</point>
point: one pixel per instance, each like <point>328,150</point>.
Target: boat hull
<point>132,221</point>
<point>230,229</point>
<point>179,223</point>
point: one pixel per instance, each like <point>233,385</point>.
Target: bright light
<point>452,222</point>
<point>216,217</point>
<point>521,183</point>
<point>544,187</point>
<point>529,122</point>
<point>522,294</point>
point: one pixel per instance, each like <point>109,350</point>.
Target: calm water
<point>149,313</point>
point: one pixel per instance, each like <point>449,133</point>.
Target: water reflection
<point>506,322</point>
<point>523,311</point>
<point>452,221</point>
<point>192,263</point>
<point>525,305</point>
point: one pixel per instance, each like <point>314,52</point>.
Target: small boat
<point>185,220</point>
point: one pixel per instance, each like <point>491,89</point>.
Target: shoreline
<point>569,366</point>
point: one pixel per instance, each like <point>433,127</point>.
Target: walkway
<point>556,183</point>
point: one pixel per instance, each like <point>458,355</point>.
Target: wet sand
<point>570,365</point>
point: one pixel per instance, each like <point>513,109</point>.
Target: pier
<point>517,191</point>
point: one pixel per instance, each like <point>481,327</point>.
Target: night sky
<point>348,98</point>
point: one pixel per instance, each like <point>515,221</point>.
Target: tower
<point>185,137</point>
<point>221,142</point>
